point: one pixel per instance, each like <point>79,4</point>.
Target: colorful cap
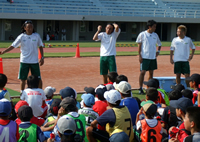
<point>66,125</point>
<point>112,96</point>
<point>5,107</point>
<point>88,99</point>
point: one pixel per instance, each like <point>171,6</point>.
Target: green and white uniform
<point>89,113</point>
<point>80,124</point>
<point>28,134</point>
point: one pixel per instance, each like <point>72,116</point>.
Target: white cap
<point>112,96</point>
<point>48,91</point>
<point>66,123</point>
<point>123,87</point>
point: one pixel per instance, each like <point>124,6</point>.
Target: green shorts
<point>107,63</point>
<point>182,67</point>
<point>148,64</point>
<point>24,70</point>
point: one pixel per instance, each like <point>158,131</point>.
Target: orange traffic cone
<point>77,51</point>
<point>39,54</point>
<point>1,65</point>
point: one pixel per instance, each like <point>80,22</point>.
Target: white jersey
<point>149,41</point>
<point>89,113</point>
<point>108,43</point>
<point>29,47</point>
<point>181,48</point>
<point>35,98</point>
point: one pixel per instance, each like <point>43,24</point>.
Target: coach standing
<point>147,41</point>
<point>108,48</point>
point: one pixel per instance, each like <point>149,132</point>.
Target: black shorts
<point>101,135</point>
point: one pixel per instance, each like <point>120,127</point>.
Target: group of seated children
<point>107,113</point>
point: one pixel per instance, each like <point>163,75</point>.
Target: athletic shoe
<point>141,92</point>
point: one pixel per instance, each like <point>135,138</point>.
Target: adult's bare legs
<point>186,81</point>
<point>141,78</point>
<point>22,84</point>
<point>105,81</point>
<point>178,78</point>
<point>150,74</point>
<point>40,84</point>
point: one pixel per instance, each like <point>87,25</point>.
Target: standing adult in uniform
<point>180,46</point>
<point>147,41</point>
<point>29,41</point>
<point>108,48</point>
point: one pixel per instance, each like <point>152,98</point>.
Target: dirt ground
<point>81,72</point>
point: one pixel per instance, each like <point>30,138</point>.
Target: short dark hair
<point>138,101</point>
<point>27,113</point>
<point>150,116</point>
<point>117,103</point>
<point>33,81</point>
<point>120,78</point>
<point>174,95</point>
<point>3,80</point>
<point>152,94</point>
<point>150,23</point>
<point>112,76</point>
<point>157,82</point>
<point>70,108</point>
<point>112,26</point>
<point>24,25</point>
<point>187,93</point>
<point>194,115</point>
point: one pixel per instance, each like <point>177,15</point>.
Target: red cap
<point>19,104</point>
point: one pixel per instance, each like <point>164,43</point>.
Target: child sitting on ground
<point>154,84</point>
<point>187,93</point>
<point>87,111</point>
<point>35,97</point>
<point>192,124</point>
<point>35,120</point>
<point>117,120</point>
<point>69,92</point>
<point>194,81</point>
<point>101,103</point>
<point>55,106</point>
<point>111,77</point>
<point>180,133</point>
<point>169,117</point>
<point>162,92</point>
<point>28,131</point>
<point>48,91</point>
<point>8,128</point>
<point>148,128</point>
<point>3,92</point>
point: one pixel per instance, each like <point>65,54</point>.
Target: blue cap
<point>68,92</point>
<point>183,103</point>
<point>5,107</point>
<point>88,99</point>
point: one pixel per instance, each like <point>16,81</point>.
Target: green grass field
<point>83,45</point>
<point>15,93</point>
<point>5,44</point>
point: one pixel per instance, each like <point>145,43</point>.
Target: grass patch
<point>135,94</point>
